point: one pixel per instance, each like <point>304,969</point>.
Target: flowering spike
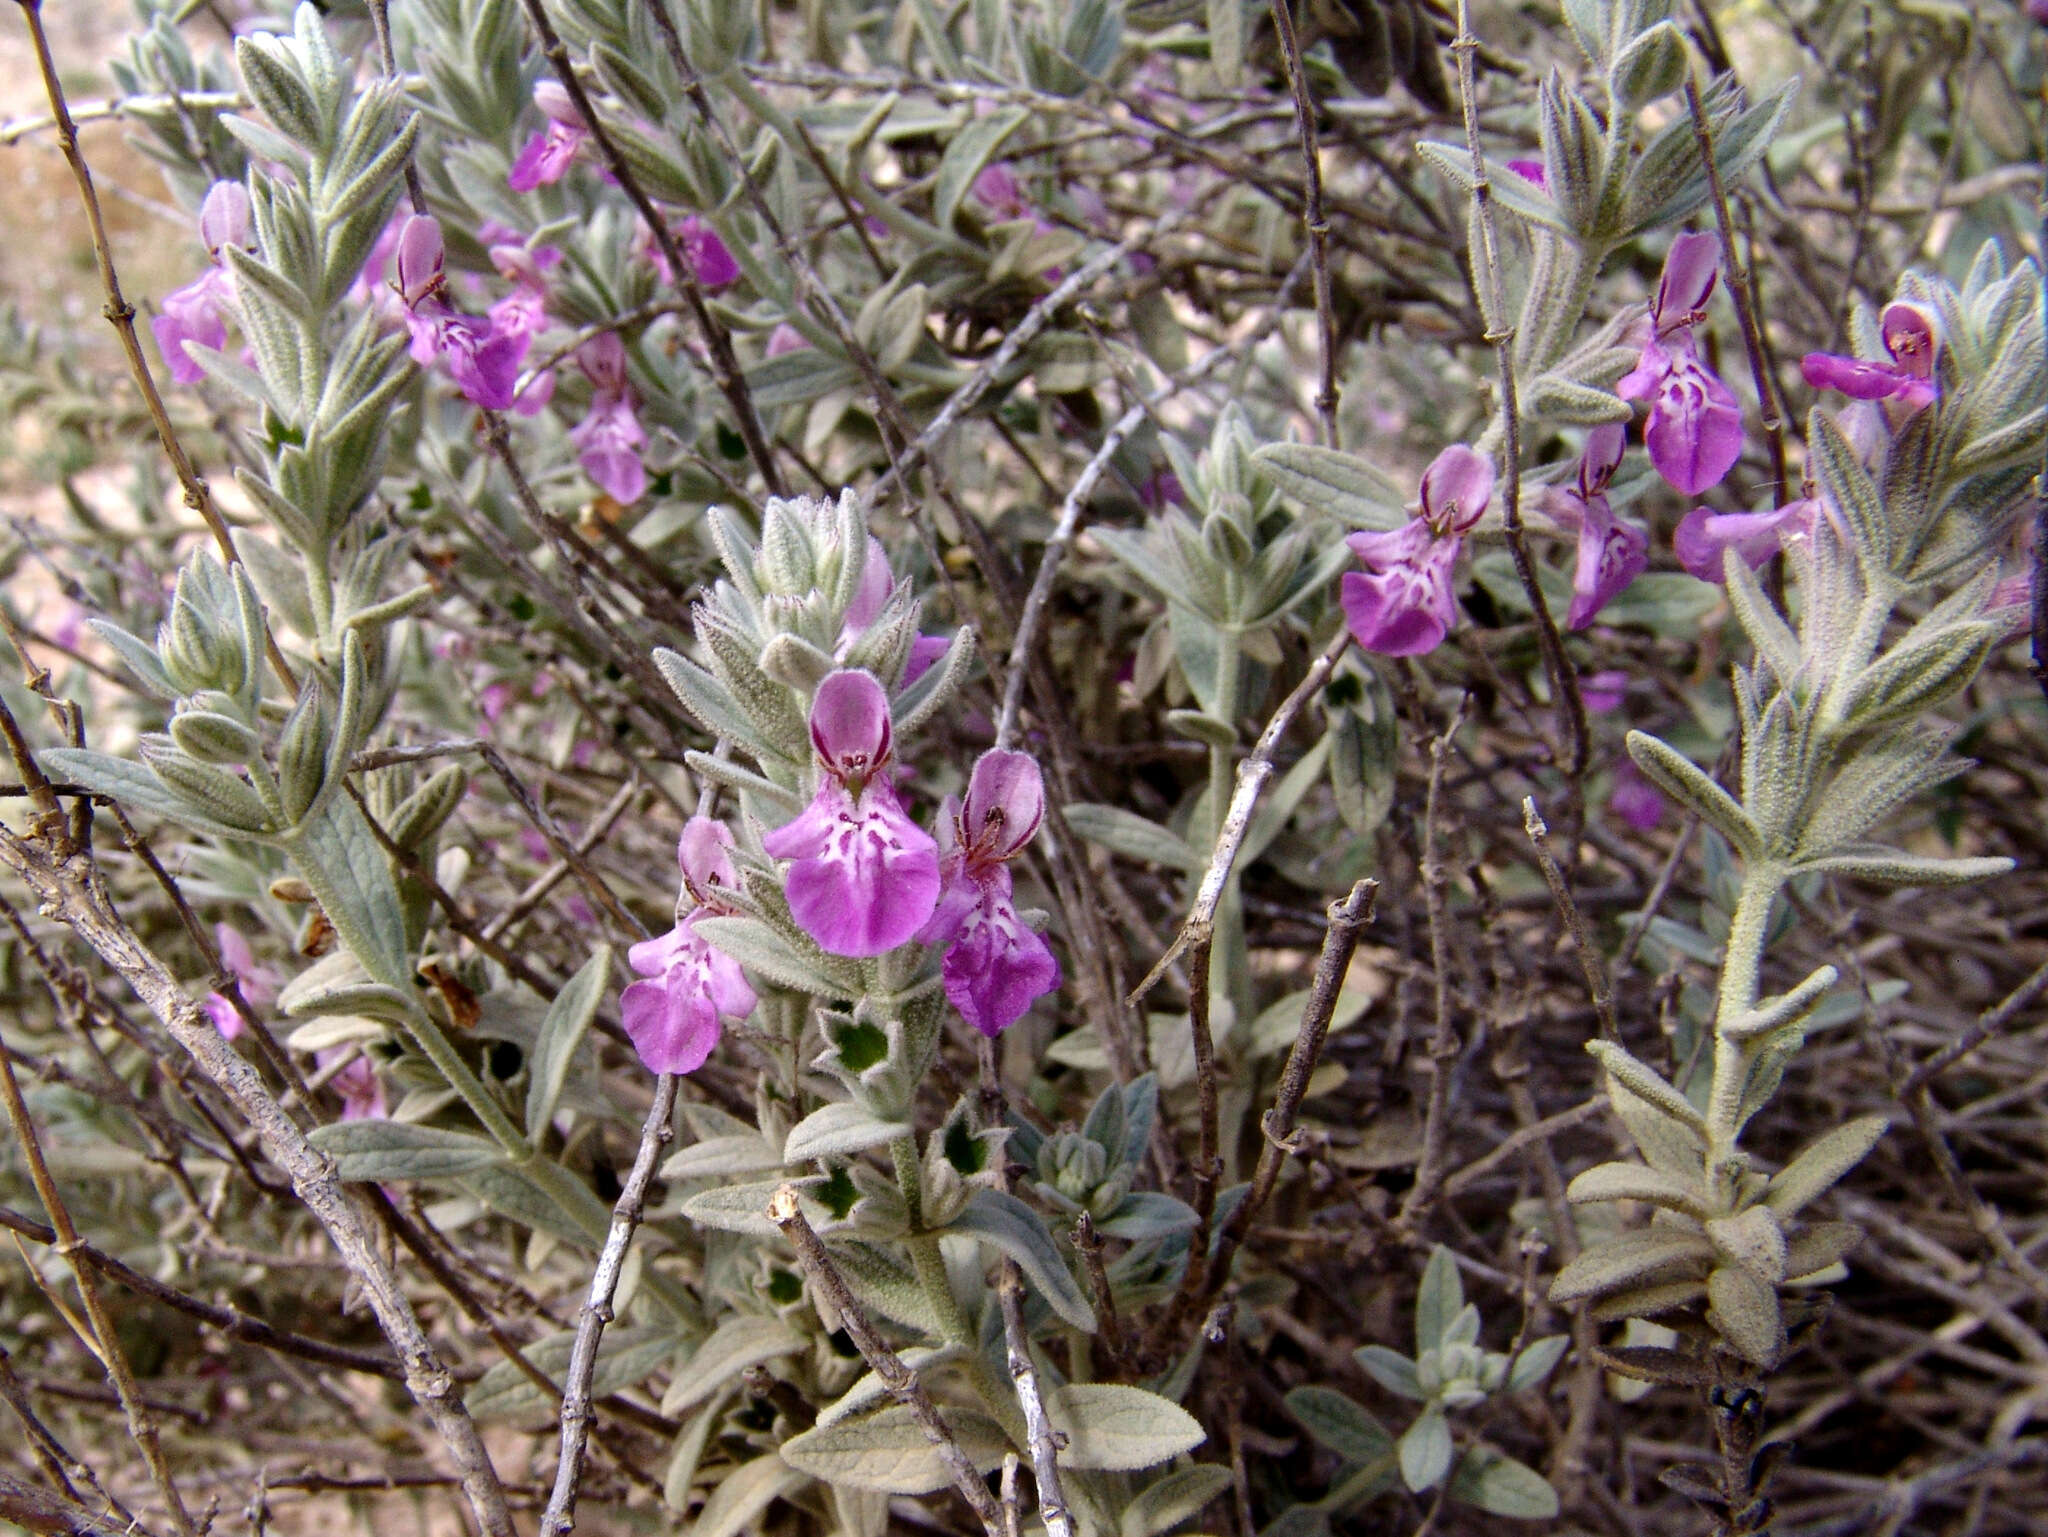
<point>865,877</point>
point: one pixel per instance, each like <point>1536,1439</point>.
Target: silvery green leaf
<point>1744,1311</point>
<point>883,1286</point>
<point>837,1129</point>
<point>1228,26</point>
<point>2016,442</point>
<point>1574,154</point>
<point>1815,1168</point>
<point>1281,802</point>
<point>376,1150</point>
<point>740,1153</point>
<point>210,798</point>
<point>1647,1301</point>
<point>1638,1182</point>
<point>212,737</point>
<point>766,795</point>
<point>337,984</point>
<point>302,750</point>
<point>1201,728</point>
<point>799,378</point>
<point>516,1195</point>
<point>1113,1428</point>
<point>687,1455</point>
<point>1352,490</point>
<point>757,946</point>
<point>743,1340</point>
<point>743,1494</point>
<point>561,1033</point>
<point>869,1389</point>
<point>625,1357</point>
<point>1278,1025</point>
<point>341,860</point>
<point>1680,185</point>
<point>1773,638</point>
<point>1536,1359</point>
<point>1495,1482</point>
<point>766,702</point>
<point>795,662</point>
<point>1591,23</point>
<point>1849,490</point>
<point>139,657</point>
<point>1125,832</point>
<point>1439,1300</point>
<point>1752,1239</point>
<point>1685,782</point>
<point>1147,1214</point>
<point>1554,397</point>
<point>421,814</point>
<point>1516,194</point>
<point>1173,1497</point>
<point>1002,1220</point>
<point>888,1450</point>
<point>967,154</point>
<point>710,701</point>
<point>1889,867</point>
<point>1640,1079</point>
<point>275,85</point>
<point>1787,1008</point>
<point>1817,1247</point>
<point>744,1208</point>
<point>918,702</point>
<point>1631,1259</point>
<point>1653,65</point>
<point>1425,1450</point>
<point>1340,1424</point>
<point>1391,1370</point>
<point>1912,678</point>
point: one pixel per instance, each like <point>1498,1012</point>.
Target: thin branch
<point>1348,918</point>
<point>785,1213</point>
<point>655,1134</point>
<point>1041,1439</point>
<point>1564,683</point>
<point>719,356</point>
<point>1575,922</point>
<point>1738,289</point>
<point>1443,1040</point>
<point>1313,218</point>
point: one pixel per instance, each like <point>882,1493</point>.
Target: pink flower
<point>198,311</point>
<point>785,338</point>
<point>1604,691</point>
<point>608,440</point>
<point>711,264</point>
<point>1911,336</point>
<point>1611,553</point>
<point>996,190</point>
<point>1634,799</point>
<point>483,359</point>
<point>361,1091</point>
<point>546,158</point>
<point>1704,534</point>
<point>259,983</point>
<point>996,964</point>
<point>865,876</point>
<point>1402,604</point>
<point>1694,433</point>
<point>673,1016</point>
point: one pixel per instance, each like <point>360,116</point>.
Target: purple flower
<point>1611,553</point>
<point>259,983</point>
<point>198,311</point>
<point>865,876</point>
<point>1913,339</point>
<point>361,1091</point>
<point>1694,433</point>
<point>608,440</point>
<point>1755,536</point>
<point>996,190</point>
<point>785,338</point>
<point>924,652</point>
<point>1634,799</point>
<point>996,964</point>
<point>672,1017</point>
<point>1402,604</point>
<point>483,359</point>
<point>545,159</point>
<point>1531,170</point>
<point>711,264</point>
<point>1604,691</point>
